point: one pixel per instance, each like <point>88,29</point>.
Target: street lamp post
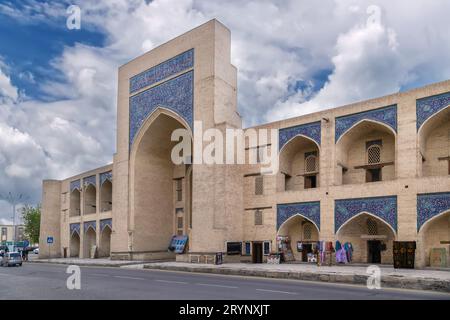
<point>14,199</point>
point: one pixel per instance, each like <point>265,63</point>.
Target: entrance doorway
<point>374,251</point>
<point>307,248</point>
<point>257,252</point>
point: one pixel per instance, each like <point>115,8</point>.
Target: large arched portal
<point>299,164</point>
<point>74,245</point>
<point>434,144</point>
<point>302,234</point>
<point>366,153</point>
<point>158,186</point>
<point>371,238</point>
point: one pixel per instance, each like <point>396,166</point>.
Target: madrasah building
<point>369,173</point>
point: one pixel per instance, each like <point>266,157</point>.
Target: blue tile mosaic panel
<point>104,223</point>
<point>89,180</point>
<point>310,130</point>
<point>89,224</point>
<point>75,185</point>
<point>309,210</point>
<point>105,176</point>
<point>176,95</point>
<point>427,107</point>
<point>386,115</point>
<point>430,205</point>
<point>384,208</point>
<point>74,227</point>
<point>162,71</point>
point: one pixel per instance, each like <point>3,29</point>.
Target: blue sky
<point>29,49</point>
<point>58,86</point>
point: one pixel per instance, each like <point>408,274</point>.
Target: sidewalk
<point>106,262</point>
<point>390,277</point>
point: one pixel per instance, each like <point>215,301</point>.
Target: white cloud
<point>7,90</point>
<point>366,65</point>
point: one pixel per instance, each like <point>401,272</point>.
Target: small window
<point>374,154</point>
<point>287,181</point>
<point>266,248</point>
<point>310,182</point>
<point>372,227</point>
<point>259,185</point>
<point>258,218</point>
<point>180,222</point>
<point>179,189</point>
<point>307,231</point>
<point>373,175</point>
<point>247,248</point>
<point>4,234</point>
<point>234,248</point>
<point>310,164</point>
<point>259,154</point>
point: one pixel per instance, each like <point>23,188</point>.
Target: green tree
<point>32,220</point>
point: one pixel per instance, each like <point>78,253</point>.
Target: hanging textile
<point>341,256</point>
<point>338,245</point>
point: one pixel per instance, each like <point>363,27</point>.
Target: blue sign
<point>178,243</point>
<point>49,240</point>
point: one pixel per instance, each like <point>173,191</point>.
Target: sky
<point>58,85</point>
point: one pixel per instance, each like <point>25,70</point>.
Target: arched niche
<point>299,229</point>
<point>354,164</point>
<point>434,145</point>
<point>74,245</point>
<point>75,200</point>
<point>364,231</point>
<point>299,164</point>
<point>90,199</point>
<point>106,196</point>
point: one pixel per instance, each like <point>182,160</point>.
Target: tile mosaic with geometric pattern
<point>309,210</point>
<point>384,208</point>
<point>310,130</point>
<point>176,95</point>
<point>386,115</point>
<point>430,205</point>
<point>427,107</point>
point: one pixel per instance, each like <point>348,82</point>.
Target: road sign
<point>49,240</point>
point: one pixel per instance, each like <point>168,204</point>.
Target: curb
<point>388,281</point>
<point>86,264</point>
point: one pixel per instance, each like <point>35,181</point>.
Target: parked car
<point>36,251</point>
<point>11,259</point>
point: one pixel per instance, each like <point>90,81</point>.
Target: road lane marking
<point>100,275</point>
<point>216,285</point>
<point>169,281</point>
<point>125,277</point>
<point>276,291</point>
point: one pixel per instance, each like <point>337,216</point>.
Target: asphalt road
<point>46,281</point>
